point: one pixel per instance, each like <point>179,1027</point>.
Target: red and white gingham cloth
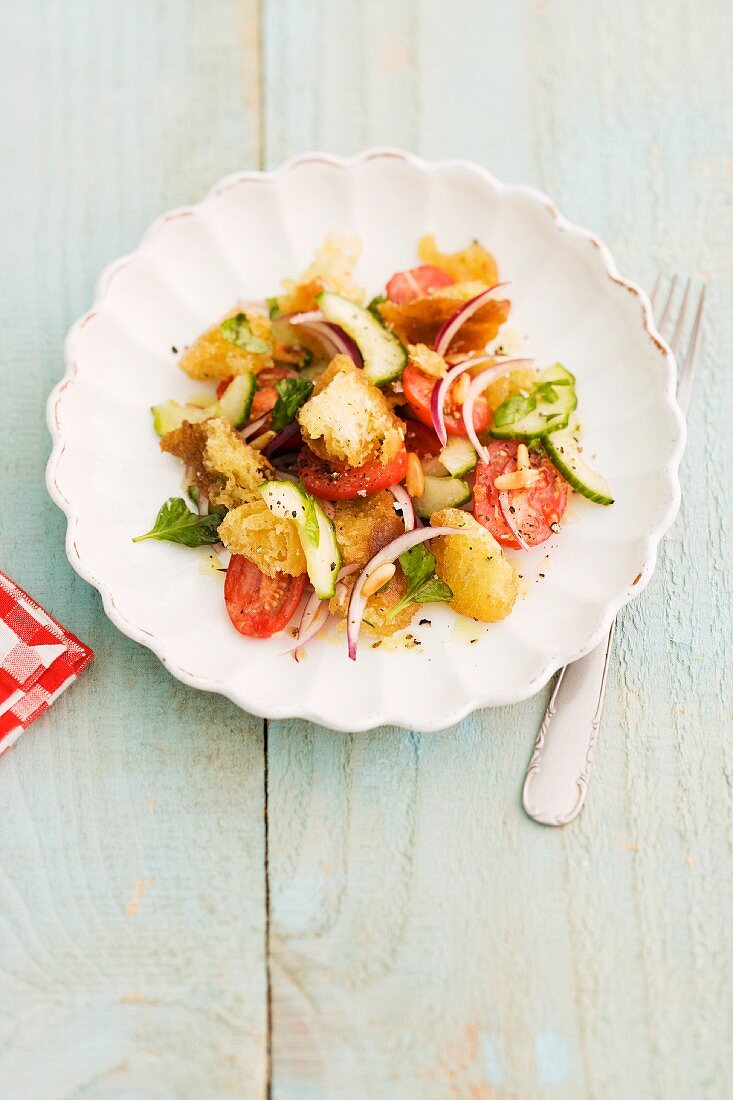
<point>38,660</point>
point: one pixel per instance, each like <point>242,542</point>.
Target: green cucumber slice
<point>441,492</point>
<point>458,456</point>
<point>383,354</point>
<point>236,401</point>
<point>546,409</point>
<point>562,449</point>
<point>317,536</point>
<point>171,414</point>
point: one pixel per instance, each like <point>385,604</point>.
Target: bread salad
<point>361,459</point>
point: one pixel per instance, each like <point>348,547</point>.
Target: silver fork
<point>557,777</point>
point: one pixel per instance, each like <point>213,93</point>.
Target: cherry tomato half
<point>420,439</point>
<point>348,483</point>
<point>259,606</point>
<point>418,388</point>
<point>406,286</point>
<point>534,510</point>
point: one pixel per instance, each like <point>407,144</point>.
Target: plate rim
<point>651,539</point>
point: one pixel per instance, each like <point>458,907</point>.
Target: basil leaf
<point>312,529</point>
<point>513,409</point>
<point>372,307</point>
<point>292,393</point>
<point>424,586</point>
<point>237,330</point>
<point>546,392</point>
<point>177,523</point>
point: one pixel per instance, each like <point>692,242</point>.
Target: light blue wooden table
<point>192,906</point>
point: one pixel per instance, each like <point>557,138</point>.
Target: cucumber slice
<point>562,448</point>
<point>171,414</point>
<point>441,492</point>
<point>458,456</point>
<point>236,401</point>
<point>317,536</point>
<point>383,354</point>
<point>547,408</point>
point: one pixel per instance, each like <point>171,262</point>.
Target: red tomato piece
<point>221,387</point>
<point>534,509</point>
<point>406,286</point>
<point>418,388</point>
<point>259,606</point>
<point>349,482</point>
<point>421,440</point>
<point>266,395</point>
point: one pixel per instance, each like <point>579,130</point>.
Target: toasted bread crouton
<point>419,321</point>
<point>331,269</point>
<point>213,356</point>
<point>482,578</point>
<point>363,527</point>
<point>271,543</point>
<point>347,419</point>
<point>225,468</point>
<point>378,606</point>
<point>472,263</point>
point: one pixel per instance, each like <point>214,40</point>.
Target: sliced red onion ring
<point>249,431</point>
<point>388,553</point>
<point>288,439</point>
<point>448,330</point>
<point>202,503</point>
<point>403,498</point>
<point>505,505</point>
<point>478,385</point>
<point>440,392</point>
<point>332,336</point>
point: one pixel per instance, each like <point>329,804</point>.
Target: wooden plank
<point>132,900</point>
<point>427,939</point>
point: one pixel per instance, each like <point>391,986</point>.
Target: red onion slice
<point>440,392</point>
<point>336,341</point>
<point>403,498</point>
<point>388,553</point>
<point>448,330</point>
<point>478,385</point>
<point>249,431</point>
<point>505,505</point>
<point>287,439</point>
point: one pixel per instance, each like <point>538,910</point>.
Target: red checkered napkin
<point>38,660</point>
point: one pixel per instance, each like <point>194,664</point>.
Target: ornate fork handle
<point>557,778</point>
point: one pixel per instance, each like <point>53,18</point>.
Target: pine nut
<point>460,389</point>
<point>262,440</point>
<point>378,577</point>
<point>522,457</point>
<point>415,478</point>
<point>520,479</point>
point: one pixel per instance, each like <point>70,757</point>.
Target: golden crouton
<point>482,578</point>
<point>364,527</point>
<point>427,360</point>
<point>213,356</point>
<point>419,321</point>
<point>331,269</point>
<point>347,419</point>
<point>268,541</point>
<point>510,385</point>
<point>378,606</point>
<point>225,468</point>
<point>473,263</point>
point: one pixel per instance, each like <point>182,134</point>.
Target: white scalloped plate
<point>108,475</point>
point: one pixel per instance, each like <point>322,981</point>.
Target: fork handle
<point>557,777</point>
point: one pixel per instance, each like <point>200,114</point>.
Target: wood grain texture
<point>132,913</point>
<point>427,939</point>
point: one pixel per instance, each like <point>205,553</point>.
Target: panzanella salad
<point>363,459</point>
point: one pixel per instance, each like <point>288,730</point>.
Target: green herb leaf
<point>237,330</point>
<point>513,409</point>
<point>292,393</point>
<point>546,392</point>
<point>177,523</point>
<point>193,494</point>
<point>424,586</point>
<point>312,529</point>
<point>372,307</point>
<point>273,307</point>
